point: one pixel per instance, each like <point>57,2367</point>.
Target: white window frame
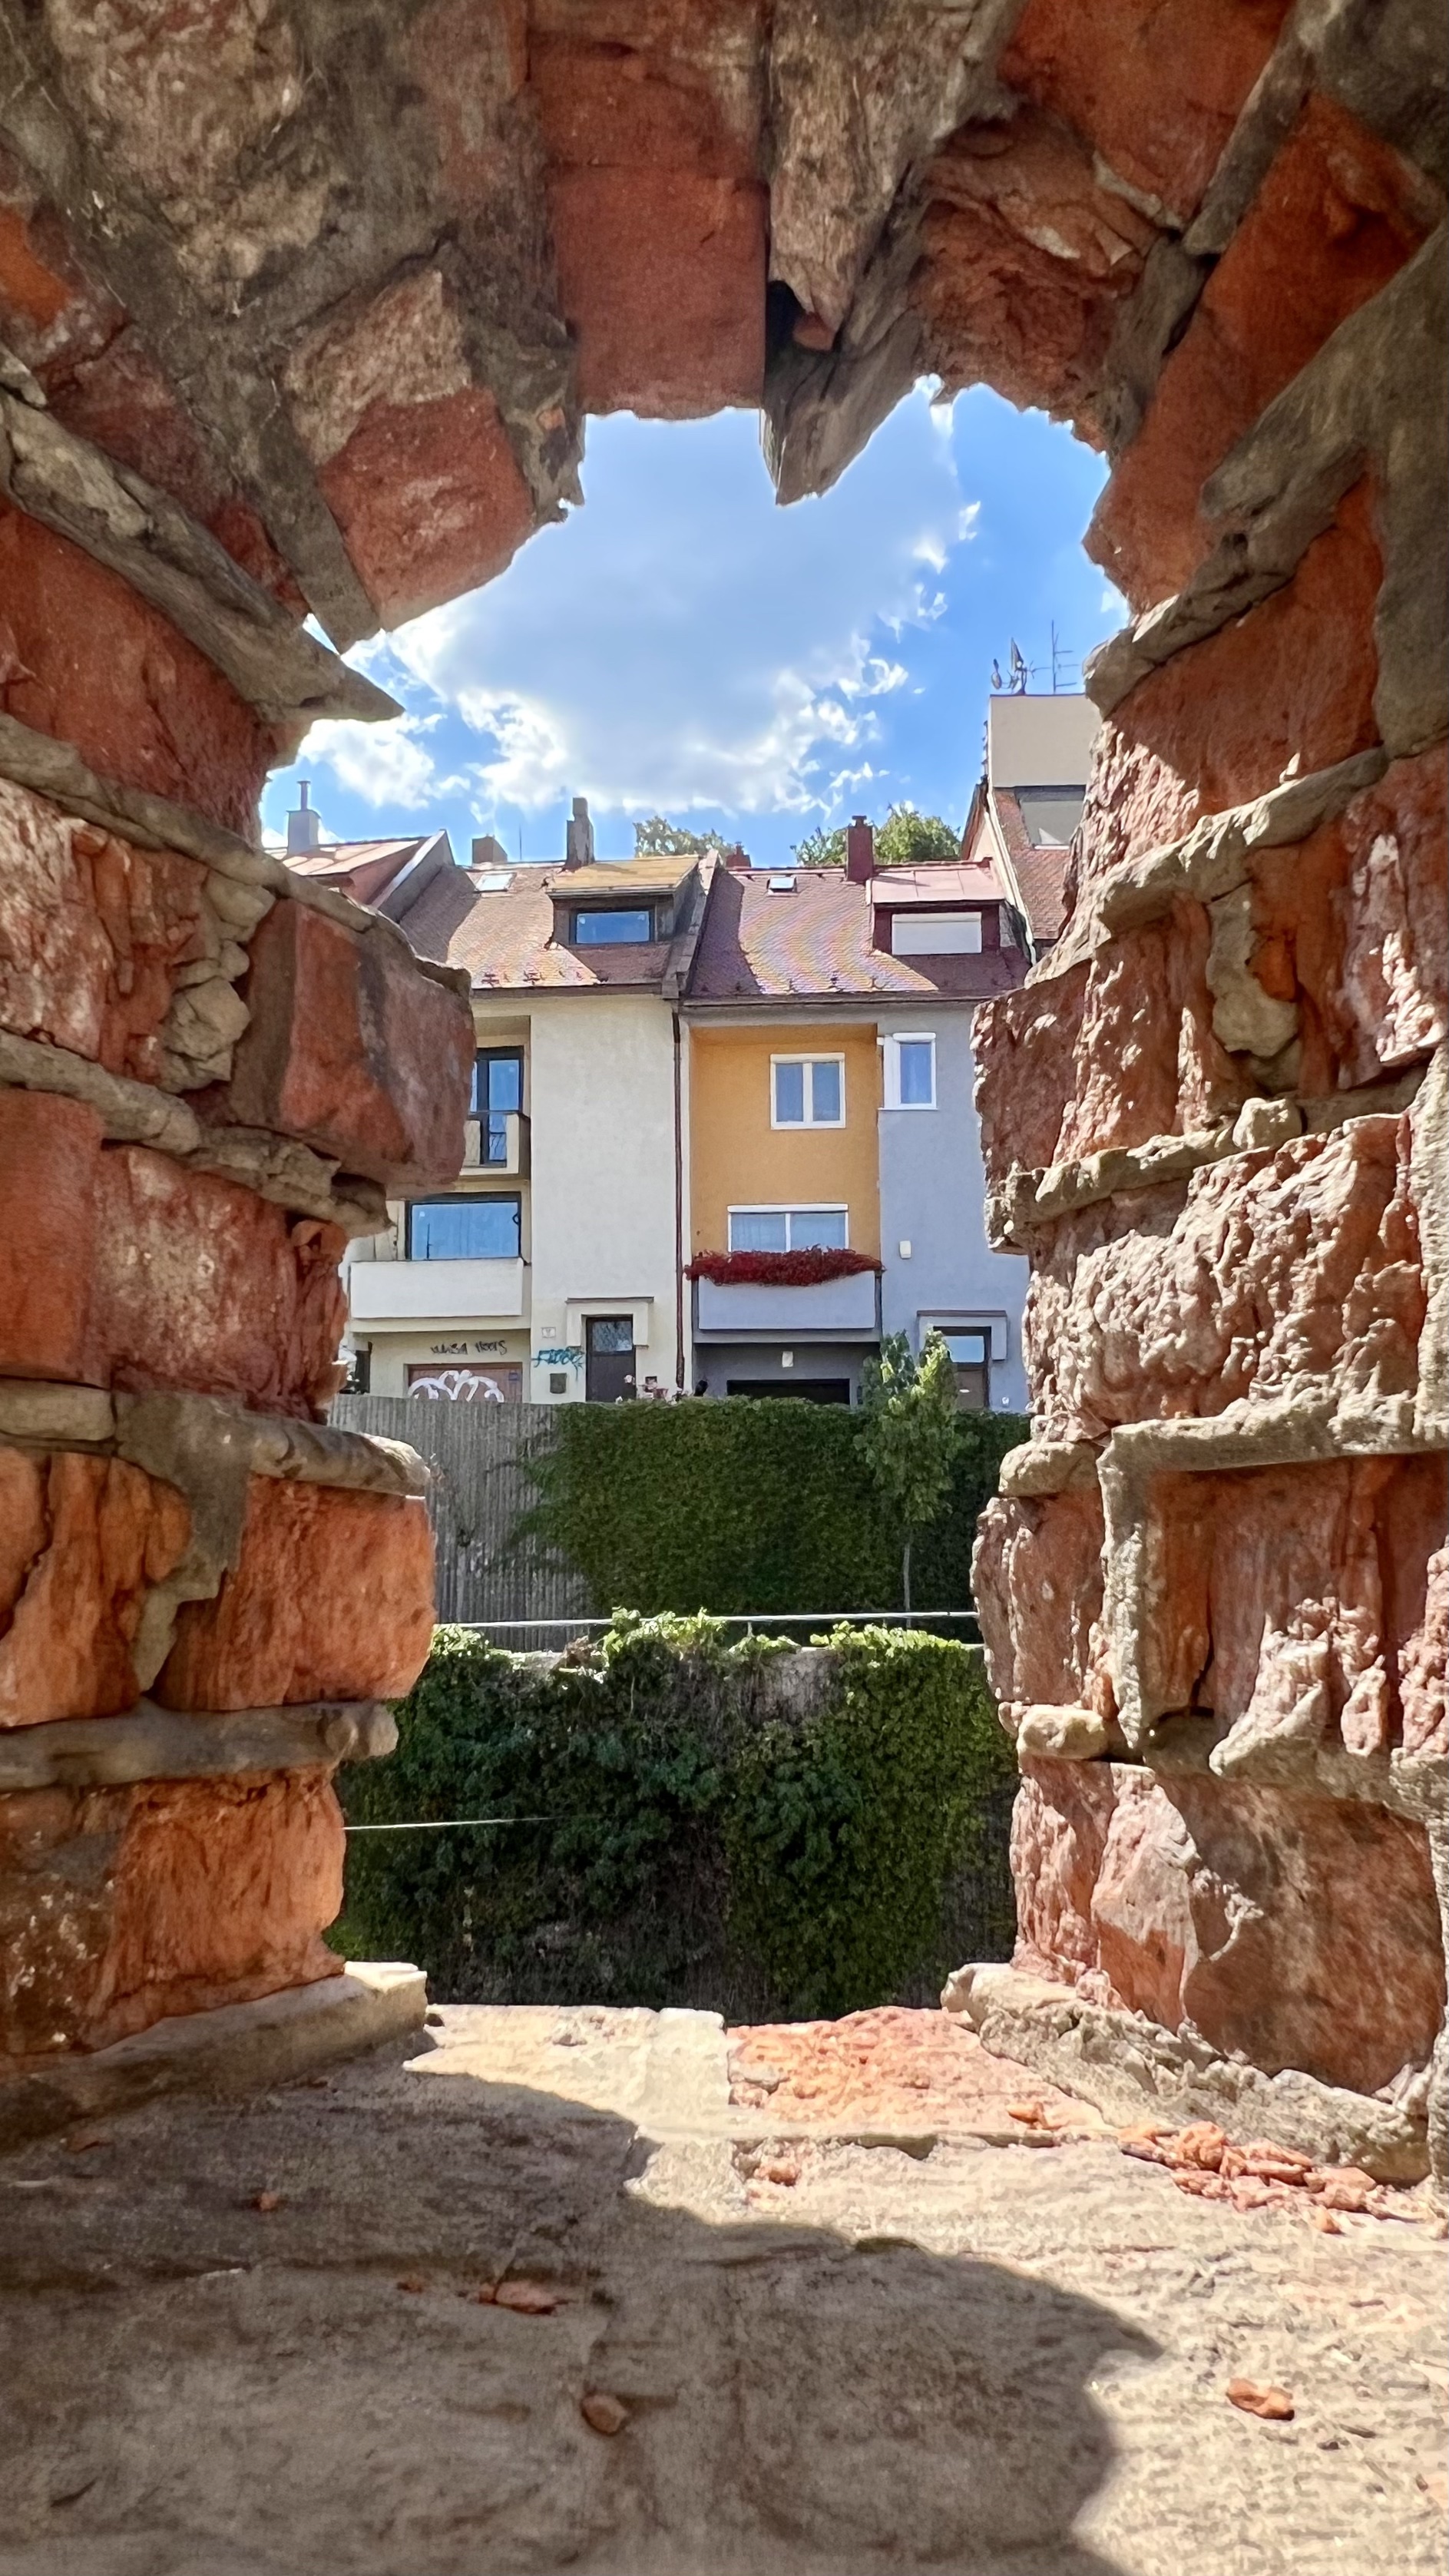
<point>794,1125</point>
<point>788,1208</point>
<point>892,1043</point>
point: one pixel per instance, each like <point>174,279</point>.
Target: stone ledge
<point>121,520</point>
<point>151,1743</point>
<point>1025,1200</point>
<point>36,1413</point>
<point>236,2049</point>
<point>279,1169</point>
<point>1409,1785</point>
<point>1127,2066</point>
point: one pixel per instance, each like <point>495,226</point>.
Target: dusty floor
<point>248,2340</point>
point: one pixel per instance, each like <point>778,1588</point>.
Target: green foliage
<point>909,1435</point>
<point>905,839</point>
<point>677,1842</point>
<point>821,848</point>
<point>753,1507</point>
<point>657,838</point>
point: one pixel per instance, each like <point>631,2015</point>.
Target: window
<point>971,1356</point>
<point>936,934</point>
<point>807,1090</point>
<point>609,1365</point>
<point>910,1070</point>
<point>821,1229</point>
<point>497,1089</point>
<point>465,1229</point>
<point>609,929</point>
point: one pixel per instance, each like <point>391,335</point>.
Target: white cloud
<point>383,764</point>
<point>680,643</point>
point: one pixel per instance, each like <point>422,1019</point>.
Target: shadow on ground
<point>201,2385</point>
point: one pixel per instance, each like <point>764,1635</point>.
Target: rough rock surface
<point>332,1599</point>
<point>121,1268</point>
<point>82,1541</point>
<point>1037,1575</point>
<point>81,656</point>
<point>1001,2358</point>
<point>1303,1933</point>
<point>354,1052</point>
<point>121,1906</point>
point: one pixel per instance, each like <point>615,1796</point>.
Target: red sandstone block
<point>1155,85</point>
<point>119,1267</point>
<point>1037,1578</point>
<point>82,1540</point>
<point>1302,1932</point>
<point>1284,1273</point>
<point>1393,1003</point>
<point>122,1907</point>
<point>84,657</point>
<point>92,930</point>
<point>49,1160</point>
<point>430,500</point>
<point>354,1050</point>
<point>662,279</point>
<point>1288,1600</point>
<point>1026,261</point>
<point>1218,724</point>
<point>1336,217</point>
<point>332,1599</point>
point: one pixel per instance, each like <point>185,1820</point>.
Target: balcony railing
<point>838,1309</point>
<point>437,1292</point>
<point>497,1142</point>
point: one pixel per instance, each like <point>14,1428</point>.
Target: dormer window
<point>937,934</point>
<point>614,927</point>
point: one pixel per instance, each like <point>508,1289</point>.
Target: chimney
<point>489,852</point>
<point>736,861</point>
<point>579,836</point>
<point>859,851</point>
<point>304,825</point>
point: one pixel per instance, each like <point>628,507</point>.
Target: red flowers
<point>778,1269</point>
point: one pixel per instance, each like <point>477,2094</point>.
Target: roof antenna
<point>1019,669</point>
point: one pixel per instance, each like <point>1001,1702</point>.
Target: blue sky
<point>680,645</point>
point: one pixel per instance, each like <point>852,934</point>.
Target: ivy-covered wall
<point>750,1507</point>
<point>694,1823</point>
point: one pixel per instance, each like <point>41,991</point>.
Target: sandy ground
<point>268,2339</point>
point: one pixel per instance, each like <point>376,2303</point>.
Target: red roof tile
<point>1041,868</point>
<point>506,939</point>
<point>814,944</point>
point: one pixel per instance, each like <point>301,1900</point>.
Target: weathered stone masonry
<point>302,306</point>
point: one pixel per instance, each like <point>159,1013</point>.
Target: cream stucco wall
<point>601,1106</point>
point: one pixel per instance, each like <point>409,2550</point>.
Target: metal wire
<point>448,1824</point>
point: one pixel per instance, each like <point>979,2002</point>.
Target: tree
<point>909,1435</point>
<point>907,839</point>
<point>657,838</point>
<point>822,849</point>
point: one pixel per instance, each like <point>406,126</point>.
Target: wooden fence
<point>481,1488</point>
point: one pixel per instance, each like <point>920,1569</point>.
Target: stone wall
<point>302,307</point>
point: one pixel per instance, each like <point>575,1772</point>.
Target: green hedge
<point>680,1841</point>
<point>741,1506</point>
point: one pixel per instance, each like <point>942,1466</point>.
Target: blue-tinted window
<point>790,1095</point>
<point>817,1229</point>
<point>809,1091</point>
<point>465,1229</point>
<point>497,1081</point>
<point>825,1083</point>
<point>757,1230</point>
<point>605,929</point>
<point>916,1059</point>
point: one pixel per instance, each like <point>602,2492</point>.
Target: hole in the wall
<point>683,646</point>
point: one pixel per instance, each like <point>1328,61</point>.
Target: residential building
<point>1029,801</point>
<point>554,1269</point>
<point>692,1069</point>
<point>831,1075</point>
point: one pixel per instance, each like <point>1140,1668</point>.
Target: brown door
<point>609,1358</point>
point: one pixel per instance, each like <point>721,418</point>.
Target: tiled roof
<point>506,939</point>
<point>814,943</point>
<point>340,858</point>
<point>1041,868</point>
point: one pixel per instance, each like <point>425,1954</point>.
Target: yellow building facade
<point>746,1156</point>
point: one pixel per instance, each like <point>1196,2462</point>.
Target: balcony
<point>839,1310</point>
<point>497,1143</point>
<point>406,1293</point>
